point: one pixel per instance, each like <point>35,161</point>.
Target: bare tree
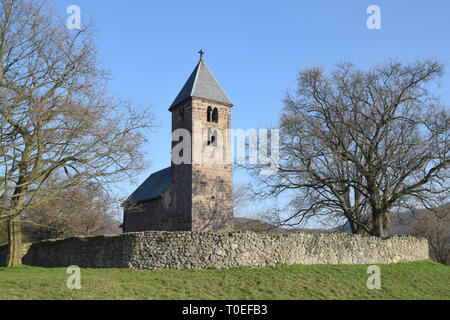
<point>356,144</point>
<point>84,210</point>
<point>434,224</point>
<point>56,116</point>
<point>241,197</point>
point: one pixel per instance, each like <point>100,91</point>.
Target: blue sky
<point>254,49</point>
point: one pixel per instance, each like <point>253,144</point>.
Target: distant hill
<point>241,224</point>
<point>401,222</point>
<point>246,224</point>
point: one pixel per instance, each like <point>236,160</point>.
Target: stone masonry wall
<point>202,192</point>
<point>181,174</point>
<point>184,250</point>
<point>146,216</point>
<point>212,180</point>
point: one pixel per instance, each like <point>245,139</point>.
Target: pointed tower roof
<point>202,84</point>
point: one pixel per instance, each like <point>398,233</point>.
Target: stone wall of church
<point>202,190</point>
<point>154,215</point>
<point>184,250</point>
<point>144,216</point>
<point>181,173</point>
<point>212,179</point>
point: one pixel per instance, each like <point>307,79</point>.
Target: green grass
<point>414,280</point>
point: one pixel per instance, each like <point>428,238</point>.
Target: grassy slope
<point>415,280</point>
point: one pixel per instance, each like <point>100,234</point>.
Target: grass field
<point>414,280</point>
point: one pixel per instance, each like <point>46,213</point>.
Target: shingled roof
<point>202,84</point>
<point>151,188</point>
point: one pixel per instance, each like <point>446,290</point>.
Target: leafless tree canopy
<point>435,226</point>
<point>356,144</point>
<point>84,210</point>
<point>56,116</point>
<point>241,197</point>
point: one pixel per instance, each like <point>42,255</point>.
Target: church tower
<point>201,185</point>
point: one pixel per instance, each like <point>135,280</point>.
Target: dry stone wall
<point>184,250</point>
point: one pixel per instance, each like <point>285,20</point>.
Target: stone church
<point>193,196</point>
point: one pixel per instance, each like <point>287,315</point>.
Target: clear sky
<point>254,49</point>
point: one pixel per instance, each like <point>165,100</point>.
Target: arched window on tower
<point>212,137</point>
<point>215,115</point>
<point>208,114</point>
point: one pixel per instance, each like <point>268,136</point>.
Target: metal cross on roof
<point>201,53</point>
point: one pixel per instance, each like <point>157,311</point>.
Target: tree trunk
<point>378,224</point>
<point>15,243</point>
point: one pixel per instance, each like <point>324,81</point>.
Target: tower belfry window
<point>215,115</point>
<point>208,114</point>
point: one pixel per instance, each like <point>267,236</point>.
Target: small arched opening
<point>215,115</point>
<point>209,114</point>
<point>212,140</point>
